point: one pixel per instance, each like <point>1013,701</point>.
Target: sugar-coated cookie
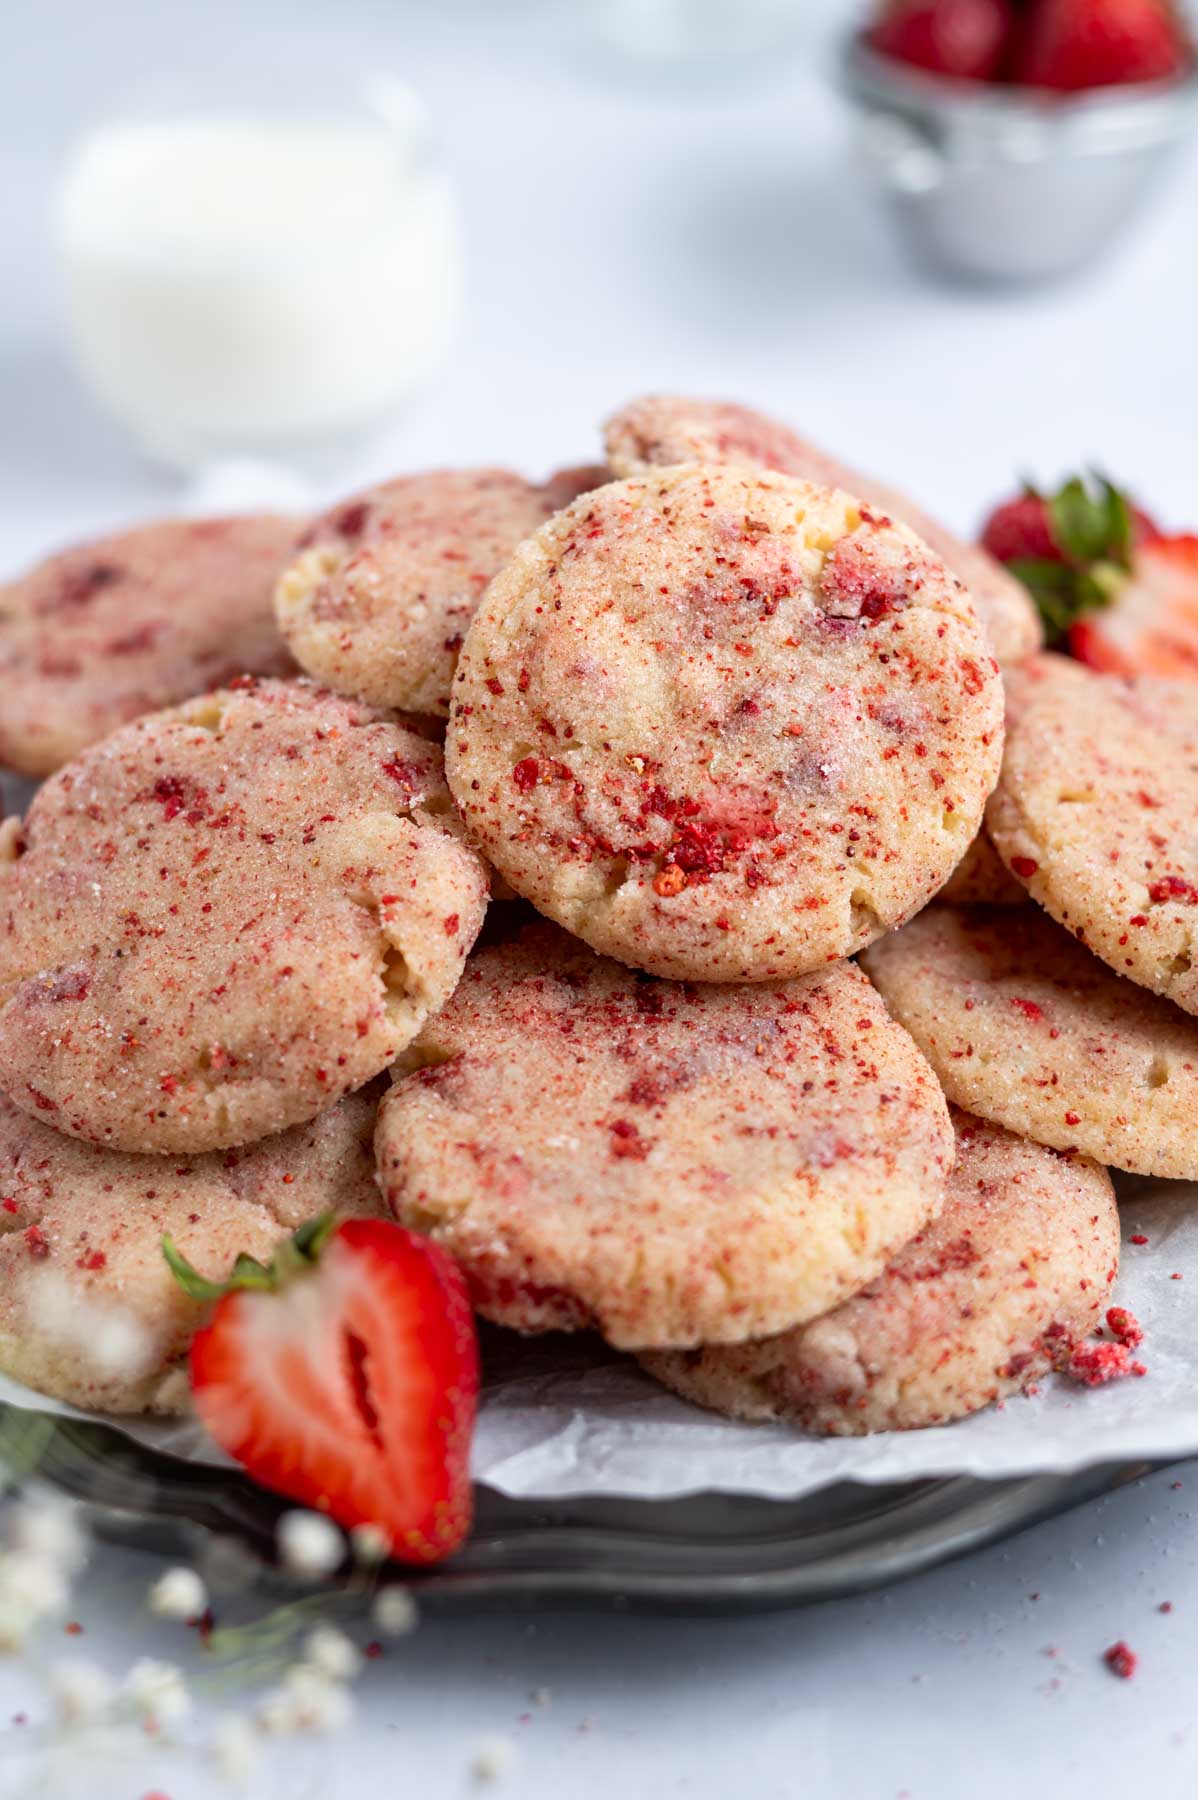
<point>1016,1269</point>
<point>225,915</point>
<point>383,587</point>
<point>663,429</point>
<point>89,1311</point>
<point>1096,813</point>
<point>108,630</point>
<point>670,1164</point>
<point>981,878</point>
<point>1026,1028</point>
<point>724,726</point>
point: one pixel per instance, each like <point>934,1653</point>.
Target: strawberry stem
<point>299,1254</point>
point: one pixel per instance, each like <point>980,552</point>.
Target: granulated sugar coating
<point>225,916</point>
<point>1096,812</point>
<point>663,429</point>
<point>724,726</point>
<point>89,1310</point>
<point>379,598</point>
<point>672,1164</point>
<point>99,634</point>
<point>994,1292</point>
<point>1025,1027</point>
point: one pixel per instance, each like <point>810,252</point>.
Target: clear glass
<point>263,264</point>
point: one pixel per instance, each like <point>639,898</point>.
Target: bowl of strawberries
<point>1015,138</point>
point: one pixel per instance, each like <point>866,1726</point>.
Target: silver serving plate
<point>705,1553</point>
<point>1010,184</point>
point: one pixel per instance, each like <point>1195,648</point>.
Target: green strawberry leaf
<point>1091,523</point>
<point>300,1252</point>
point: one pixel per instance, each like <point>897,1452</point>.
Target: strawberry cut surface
<point>351,1387</point>
<point>1151,627</point>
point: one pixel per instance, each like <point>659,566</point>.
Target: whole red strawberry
<point>1077,44</point>
<point>964,38</point>
<point>345,1375</point>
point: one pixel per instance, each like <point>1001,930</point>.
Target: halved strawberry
<point>345,1375</point>
<point>1151,625</point>
<point>963,38</point>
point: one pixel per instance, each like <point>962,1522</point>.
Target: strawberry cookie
<point>1096,813</point>
<point>225,916</point>
<point>669,1164</point>
<point>379,597</point>
<point>89,1311</point>
<point>981,878</point>
<point>993,1293</point>
<point>1026,1028</point>
<point>121,626</point>
<point>664,429</point>
<point>724,726</point>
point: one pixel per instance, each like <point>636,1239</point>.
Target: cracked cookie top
<point>226,915</point>
<point>668,1163</point>
<point>378,599</point>
<point>724,726</point>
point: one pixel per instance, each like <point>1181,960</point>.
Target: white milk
<point>255,284</point>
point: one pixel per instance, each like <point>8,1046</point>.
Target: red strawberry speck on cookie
<point>1029,1009</point>
<point>1172,887</point>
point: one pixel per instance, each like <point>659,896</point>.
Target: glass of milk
<point>265,270</point>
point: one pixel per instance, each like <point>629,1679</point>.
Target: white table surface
<point>627,233</point>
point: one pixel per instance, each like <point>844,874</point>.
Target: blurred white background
<point>627,228</point>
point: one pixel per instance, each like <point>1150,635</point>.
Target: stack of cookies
<point>803,1020</point>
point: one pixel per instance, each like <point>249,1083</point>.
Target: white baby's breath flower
<point>33,1583</point>
<point>159,1691</point>
<point>541,1696</point>
<point>395,1611</point>
<point>49,1528</point>
<point>493,1758</point>
<point>330,1651</point>
<point>178,1594</point>
<point>81,1691</point>
<point>235,1749</point>
<point>309,1543</point>
<point>370,1544</point>
<point>16,1622</point>
<point>322,1704</point>
<point>308,1700</point>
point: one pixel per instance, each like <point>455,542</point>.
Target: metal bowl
<point>1010,184</point>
